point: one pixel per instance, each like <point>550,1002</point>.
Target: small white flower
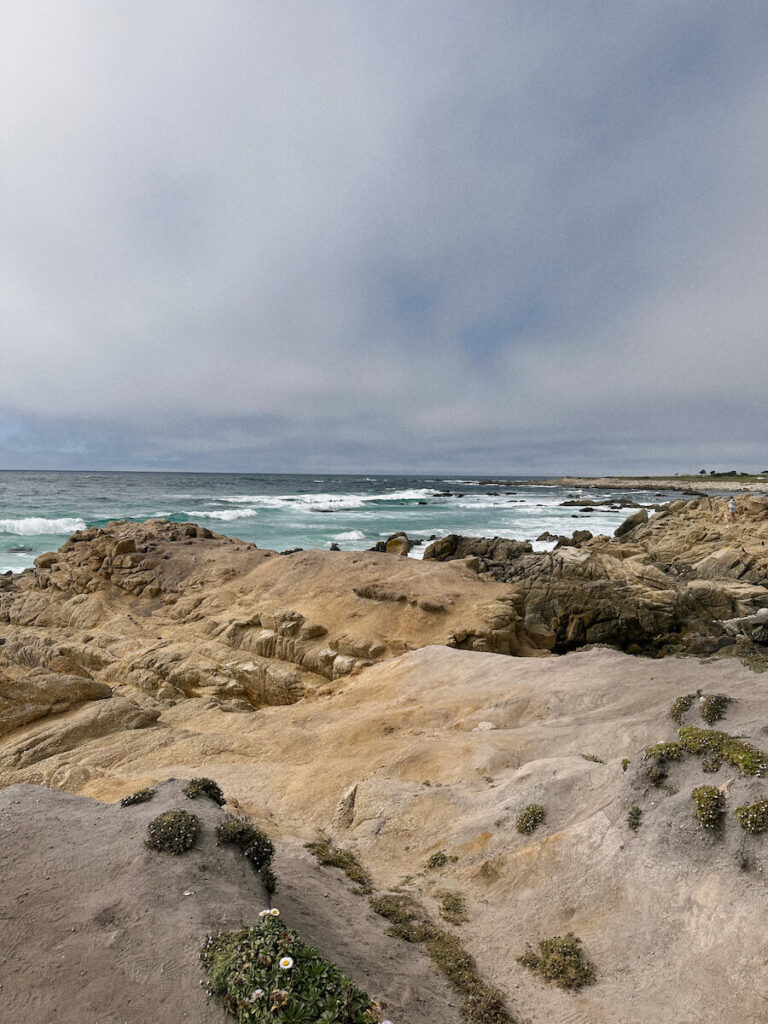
<point>286,963</point>
<point>264,913</point>
<point>274,912</point>
<point>256,994</point>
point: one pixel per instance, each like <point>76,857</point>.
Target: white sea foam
<point>228,516</point>
<point>34,526</point>
<point>350,535</point>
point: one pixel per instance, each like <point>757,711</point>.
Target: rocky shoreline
<point>700,484</point>
<point>409,712</point>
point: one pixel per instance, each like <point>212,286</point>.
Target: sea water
<point>39,510</point>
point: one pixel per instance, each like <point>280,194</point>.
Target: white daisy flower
<point>256,994</point>
<point>286,963</point>
<point>264,913</point>
<point>274,912</point>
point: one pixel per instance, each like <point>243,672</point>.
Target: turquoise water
<point>39,510</point>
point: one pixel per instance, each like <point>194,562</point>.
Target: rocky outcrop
<point>39,692</point>
<point>669,582</point>
<point>163,611</point>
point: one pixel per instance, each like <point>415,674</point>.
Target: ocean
<point>39,510</point>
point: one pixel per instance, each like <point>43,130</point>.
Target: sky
<point>384,235</point>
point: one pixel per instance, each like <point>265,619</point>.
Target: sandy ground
<point>97,929</point>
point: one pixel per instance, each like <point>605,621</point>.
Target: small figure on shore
<point>732,509</point>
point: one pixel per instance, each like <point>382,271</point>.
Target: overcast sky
<point>384,235</point>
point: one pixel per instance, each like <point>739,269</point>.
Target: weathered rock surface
<point>669,582</point>
<point>440,749</point>
<point>166,611</point>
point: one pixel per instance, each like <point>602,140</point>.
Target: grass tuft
<point>334,857</point>
<point>409,920</point>
<point>561,961</point>
<point>634,818</point>
<point>453,907</point>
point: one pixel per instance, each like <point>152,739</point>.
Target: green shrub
<point>681,705</point>
<point>269,974</point>
<point>530,818</point>
<point>633,818</point>
<point>255,843</point>
<point>333,856</point>
<point>713,707</point>
<point>753,817</point>
<point>708,742</point>
<point>561,961</point>
<point>453,907</point>
<point>141,796</point>
<point>709,805</point>
<point>173,832</point>
<point>204,787</point>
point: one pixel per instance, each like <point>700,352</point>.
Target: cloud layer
<point>335,236</point>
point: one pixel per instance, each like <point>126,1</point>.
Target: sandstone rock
<point>398,544</point>
<point>40,692</point>
<point>629,524</point>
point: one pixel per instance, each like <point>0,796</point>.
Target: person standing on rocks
<point>732,509</point>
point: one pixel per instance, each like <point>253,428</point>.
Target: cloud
<point>384,236</point>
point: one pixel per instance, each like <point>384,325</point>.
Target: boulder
<point>636,519</point>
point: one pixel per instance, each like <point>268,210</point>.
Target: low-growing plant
<point>681,705</point>
<point>593,757</point>
<point>256,845</point>
<point>660,754</point>
<point>625,762</point>
<point>530,818</point>
<point>709,805</point>
<point>141,796</point>
<point>204,787</point>
<point>634,818</point>
<point>410,921</point>
<point>735,751</point>
<point>713,707</point>
<point>560,960</point>
<point>269,974</point>
<point>268,880</point>
<point>711,763</point>
<point>436,860</point>
<point>173,832</point>
<point>753,817</point>
<point>333,856</point>
<point>453,907</point>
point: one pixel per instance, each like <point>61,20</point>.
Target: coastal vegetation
<point>530,818</point>
<point>141,796</point>
<point>205,787</point>
<point>256,845</point>
<point>481,1003</point>
<point>709,806</point>
<point>268,975</point>
<point>561,961</point>
<point>753,818</point>
<point>173,832</point>
<point>330,855</point>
